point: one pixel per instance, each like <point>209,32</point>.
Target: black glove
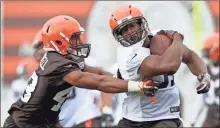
<point>169,33</point>
<point>107,120</point>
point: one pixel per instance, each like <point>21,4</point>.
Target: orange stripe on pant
<point>88,124</point>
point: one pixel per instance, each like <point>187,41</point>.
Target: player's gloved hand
<point>205,83</point>
<point>149,87</point>
<point>107,119</point>
<point>169,33</point>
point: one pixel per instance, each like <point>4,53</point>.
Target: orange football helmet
<point>123,16</point>
<point>63,35</point>
<point>211,47</point>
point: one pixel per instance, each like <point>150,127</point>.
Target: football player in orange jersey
<point>130,29</point>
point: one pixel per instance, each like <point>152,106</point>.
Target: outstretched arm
<point>110,84</point>
<point>104,83</point>
<point>107,83</point>
<point>167,63</point>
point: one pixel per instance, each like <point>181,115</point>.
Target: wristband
<point>107,110</point>
<point>133,86</point>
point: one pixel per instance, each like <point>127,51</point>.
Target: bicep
<point>83,79</point>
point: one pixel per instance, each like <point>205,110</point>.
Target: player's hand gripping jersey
<point>45,92</point>
<point>138,107</point>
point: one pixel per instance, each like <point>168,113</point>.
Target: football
<point>159,44</point>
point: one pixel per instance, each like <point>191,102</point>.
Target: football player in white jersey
<point>210,52</point>
<point>131,30</point>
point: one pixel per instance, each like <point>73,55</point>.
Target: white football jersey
<point>78,107</point>
<point>138,107</point>
<point>117,102</point>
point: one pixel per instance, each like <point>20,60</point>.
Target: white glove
<point>205,83</point>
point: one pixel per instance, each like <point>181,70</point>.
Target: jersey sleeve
<point>137,57</point>
<point>57,66</point>
<point>129,68</point>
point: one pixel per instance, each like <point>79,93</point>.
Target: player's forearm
<point>172,57</point>
<point>112,85</point>
<point>104,83</point>
<point>196,64</point>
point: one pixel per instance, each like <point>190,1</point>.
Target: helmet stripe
<point>57,49</point>
<point>64,36</point>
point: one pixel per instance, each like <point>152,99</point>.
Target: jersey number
<point>168,79</point>
<point>30,87</point>
<point>60,98</point>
